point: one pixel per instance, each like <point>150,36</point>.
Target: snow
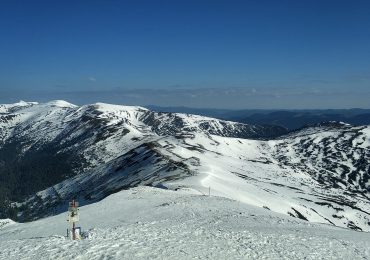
<point>4,108</point>
<point>61,103</point>
<point>104,107</point>
<point>245,170</point>
<point>366,142</point>
<point>6,222</point>
<point>150,223</point>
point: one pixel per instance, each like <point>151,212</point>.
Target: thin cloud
<point>232,98</point>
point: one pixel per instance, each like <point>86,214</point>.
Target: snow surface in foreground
<point>149,223</point>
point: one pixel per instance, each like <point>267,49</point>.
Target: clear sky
<point>222,54</point>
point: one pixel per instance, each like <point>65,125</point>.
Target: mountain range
<point>53,152</point>
<point>289,118</point>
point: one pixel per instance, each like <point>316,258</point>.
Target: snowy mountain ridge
<point>319,173</point>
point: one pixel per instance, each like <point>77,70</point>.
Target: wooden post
<point>73,217</point>
<point>73,223</point>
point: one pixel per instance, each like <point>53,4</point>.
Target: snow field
<point>150,223</point>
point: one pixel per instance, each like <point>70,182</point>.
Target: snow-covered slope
<point>101,131</point>
<point>149,223</point>
<point>319,174</point>
<point>8,108</point>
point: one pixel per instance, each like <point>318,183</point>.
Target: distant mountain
<point>298,119</point>
<point>211,112</point>
<point>53,152</point>
<point>290,119</point>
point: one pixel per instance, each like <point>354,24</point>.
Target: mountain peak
<point>105,107</point>
<point>61,103</point>
<point>6,108</point>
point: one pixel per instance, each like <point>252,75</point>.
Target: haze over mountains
<point>288,118</point>
<point>53,152</point>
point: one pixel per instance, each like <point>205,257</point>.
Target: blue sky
<point>222,54</point>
